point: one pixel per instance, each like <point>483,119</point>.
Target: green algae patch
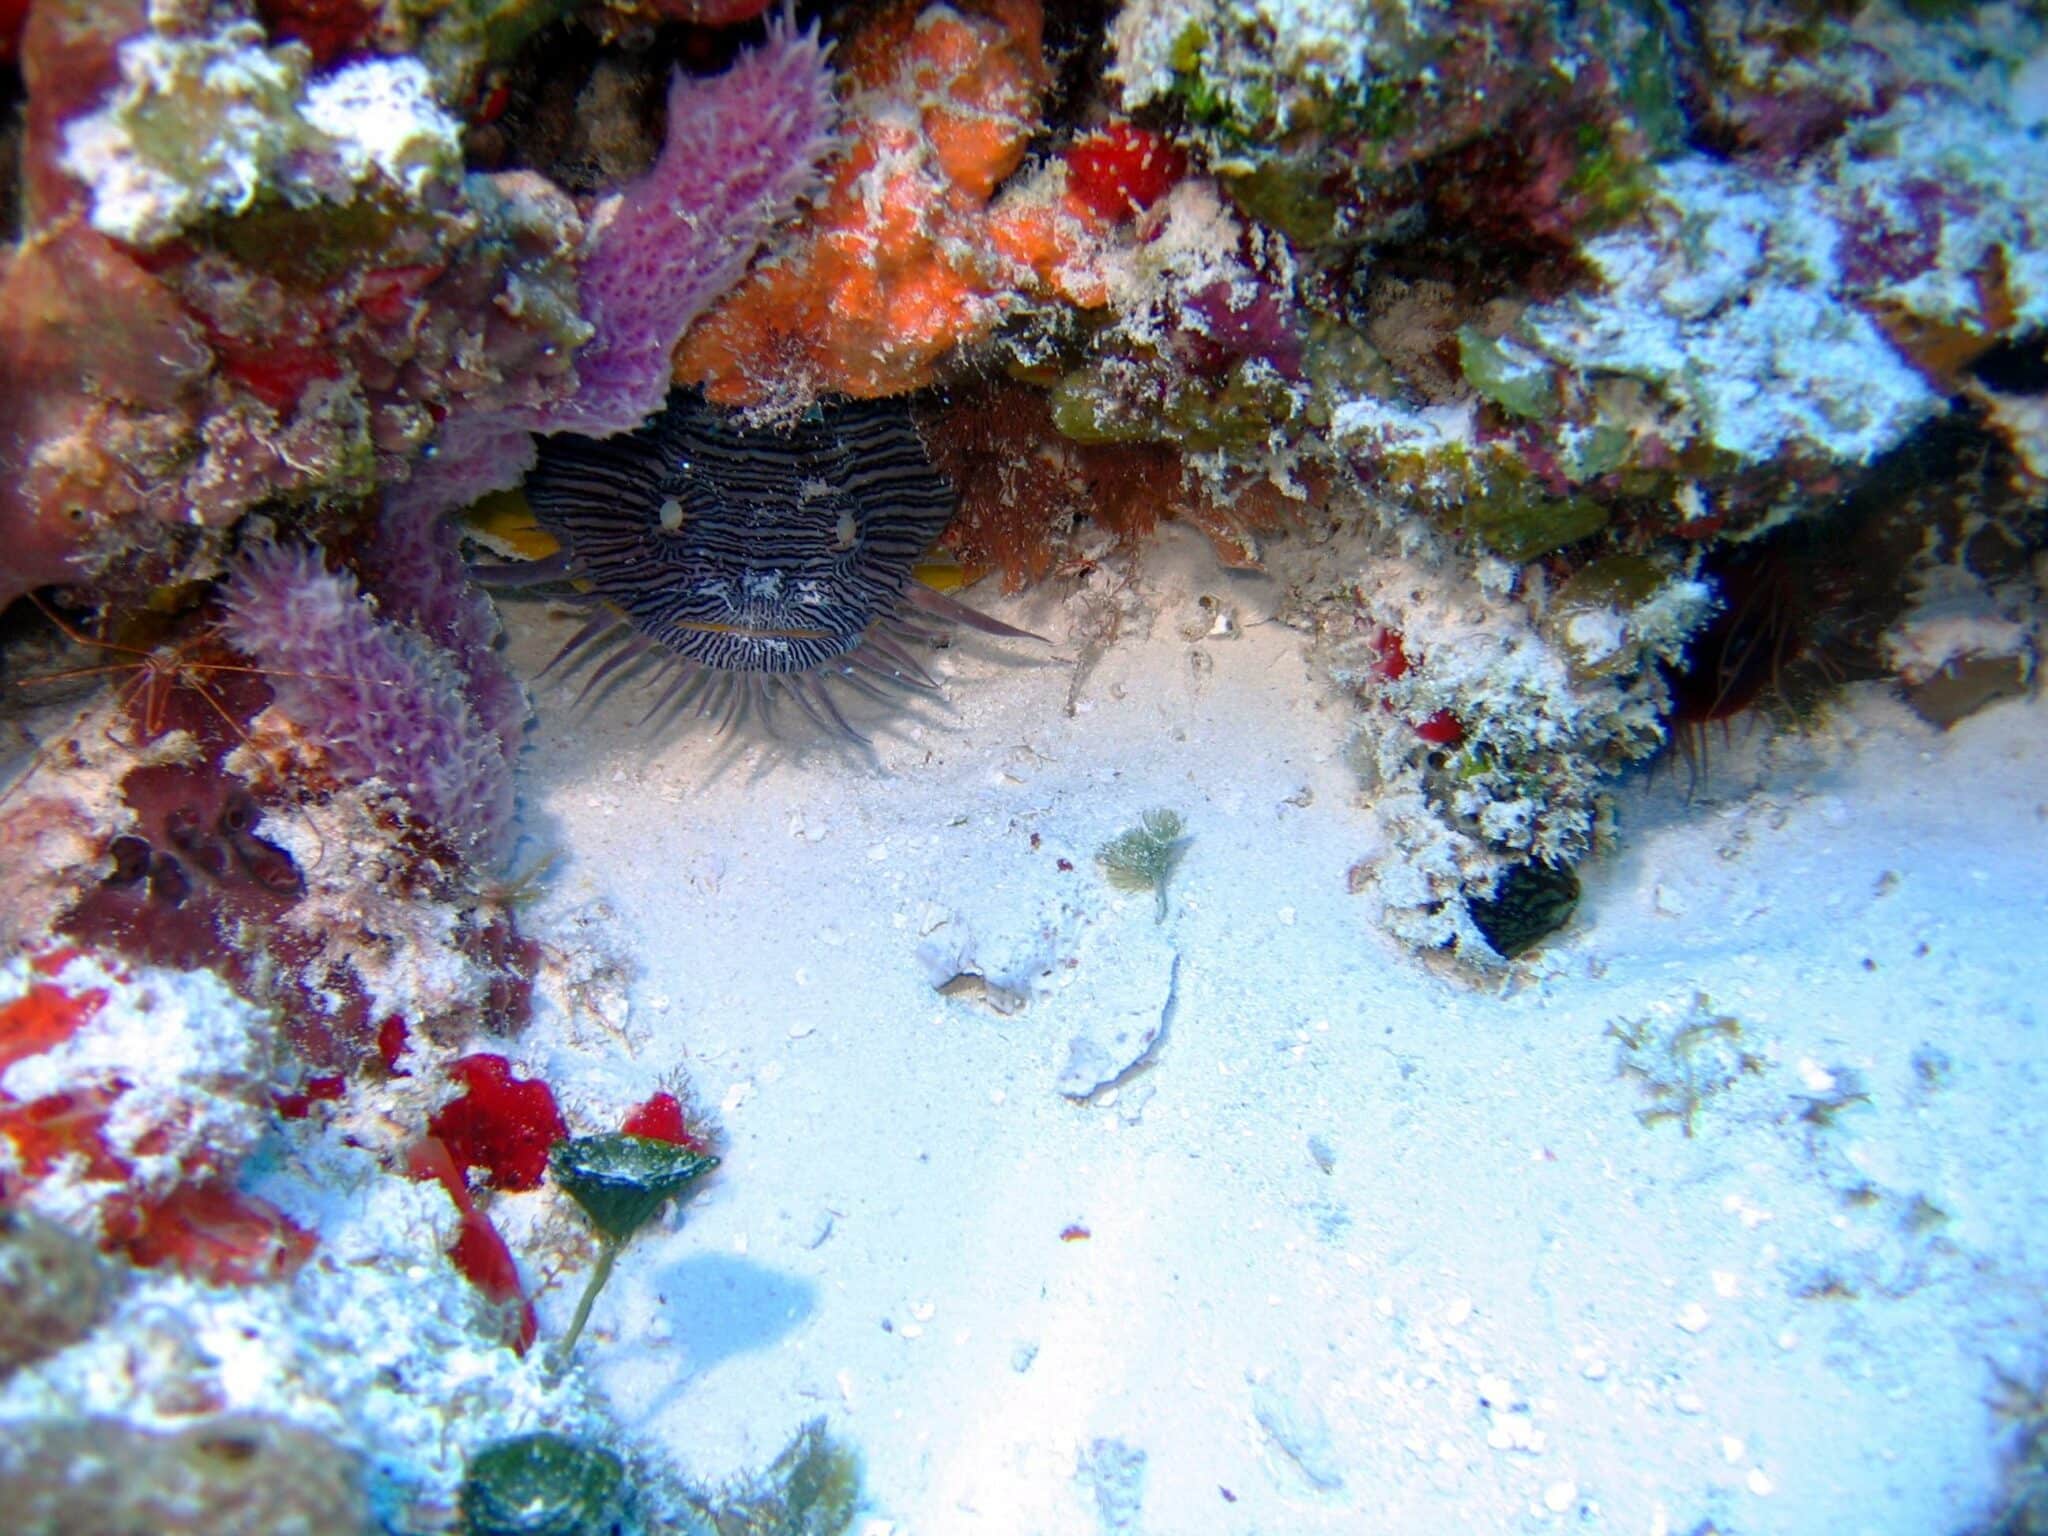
<point>1239,410</point>
<point>1591,618</point>
<point>1144,857</point>
<point>313,243</point>
<point>1517,520</point>
<point>1519,384</point>
<point>1285,193</point>
<point>1684,1068</point>
<point>811,1489</point>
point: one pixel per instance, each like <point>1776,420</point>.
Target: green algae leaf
<point>545,1485</point>
<point>1594,451</point>
<point>1518,520</point>
<point>507,24</point>
<point>1285,193</point>
<point>1085,409</point>
<point>1520,385</point>
<point>621,1181</point>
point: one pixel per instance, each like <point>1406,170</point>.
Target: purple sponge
<point>387,703</point>
<point>417,575</point>
<point>742,148</point>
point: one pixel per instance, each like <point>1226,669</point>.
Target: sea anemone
<point>752,566</point>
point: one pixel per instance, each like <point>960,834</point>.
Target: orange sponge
<point>910,253</point>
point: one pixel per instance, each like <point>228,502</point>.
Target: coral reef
<point>1498,722</point>
<point>740,152</point>
<point>1668,307</point>
<point>256,271</point>
<point>190,821</point>
<point>1756,328</point>
<point>198,125</point>
<point>1513,287</point>
<point>1339,126</point>
<point>1569,367</point>
<point>1481,291</point>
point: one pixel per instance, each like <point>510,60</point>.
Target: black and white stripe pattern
<point>750,566</point>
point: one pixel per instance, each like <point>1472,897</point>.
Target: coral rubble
<point>236,1475</point>
<point>55,1285</point>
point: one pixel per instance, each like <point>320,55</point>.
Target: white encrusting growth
<point>201,125</point>
<point>184,1062</point>
<point>1729,297</point>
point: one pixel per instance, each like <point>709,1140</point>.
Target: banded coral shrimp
<point>155,673</point>
<point>242,840</point>
<point>186,679</point>
<point>163,789</point>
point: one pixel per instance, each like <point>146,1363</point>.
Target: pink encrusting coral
<point>382,701</point>
<point>742,150</point>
